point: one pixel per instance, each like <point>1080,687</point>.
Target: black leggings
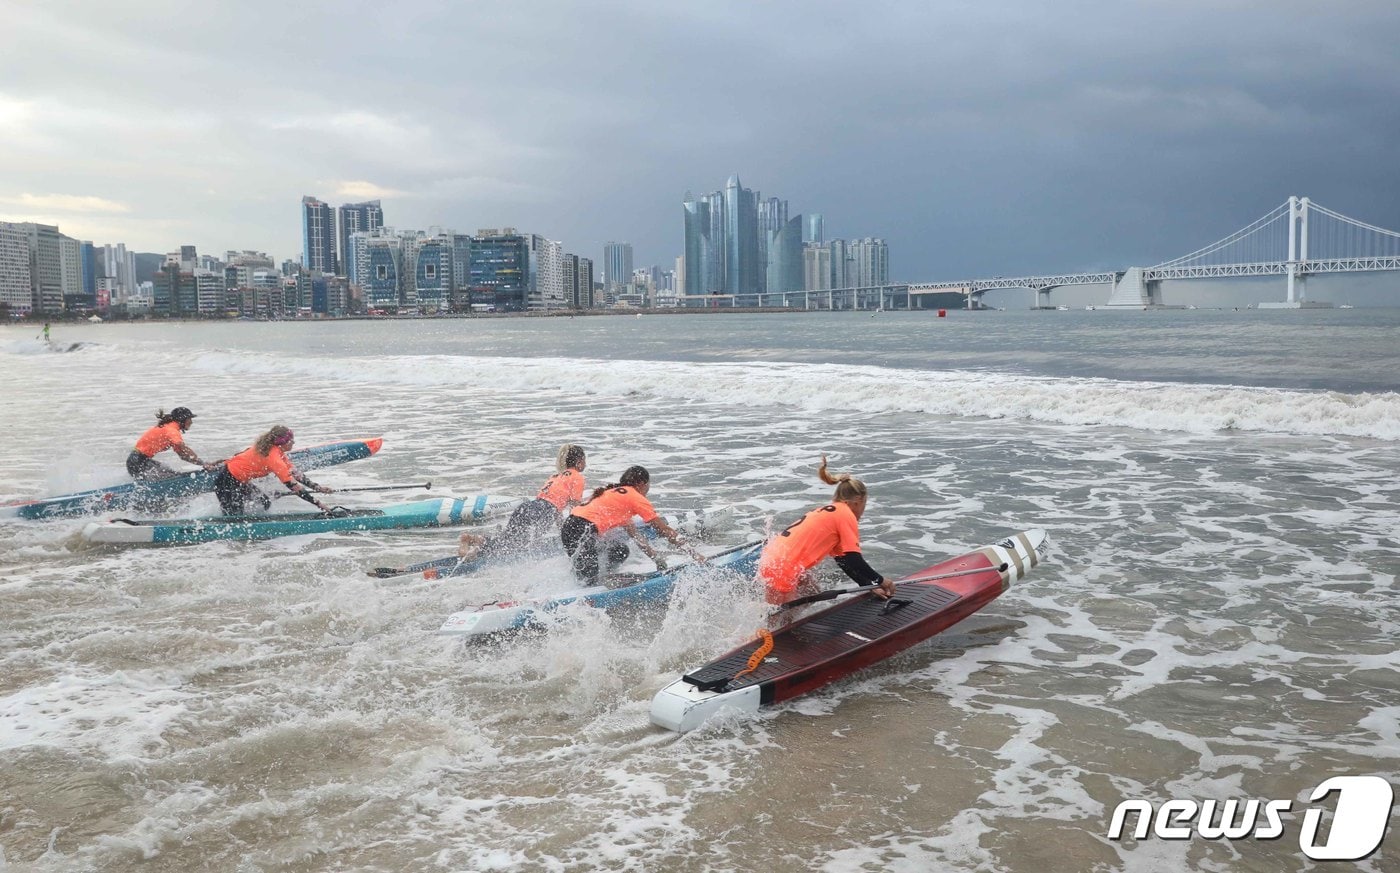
<point>234,496</point>
<point>141,467</point>
<point>529,524</point>
<point>581,540</point>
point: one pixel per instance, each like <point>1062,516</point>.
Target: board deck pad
<point>806,643</point>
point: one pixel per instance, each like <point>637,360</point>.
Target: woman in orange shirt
<point>610,507</point>
<point>830,530</point>
<point>535,518</point>
<point>234,486</point>
<point>168,433</point>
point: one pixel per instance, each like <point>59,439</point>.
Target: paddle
<point>424,485</point>
<point>436,564</point>
<point>835,593</point>
<point>368,488</point>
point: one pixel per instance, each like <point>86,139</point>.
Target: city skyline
<point>975,141</point>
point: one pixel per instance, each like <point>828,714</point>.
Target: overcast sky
<point>977,138</point>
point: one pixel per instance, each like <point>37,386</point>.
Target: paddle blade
<point>820,596</point>
<point>384,572</point>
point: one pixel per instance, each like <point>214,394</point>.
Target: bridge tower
<point>1297,247</point>
<point>1133,290</point>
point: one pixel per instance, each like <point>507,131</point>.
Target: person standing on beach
<point>168,433</point>
<point>831,530</point>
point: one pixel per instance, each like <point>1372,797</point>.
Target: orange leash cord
<point>758,654</point>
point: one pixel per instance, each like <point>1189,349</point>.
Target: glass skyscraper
<point>741,255</point>
<point>617,261</point>
<point>704,244</point>
<point>785,268</point>
<point>772,216</point>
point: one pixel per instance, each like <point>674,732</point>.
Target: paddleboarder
<point>534,519</point>
<point>610,507</point>
<point>234,486</point>
<point>831,530</point>
<point>167,433</point>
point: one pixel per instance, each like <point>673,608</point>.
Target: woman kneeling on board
<point>832,530</point>
<point>612,506</point>
<point>168,433</point>
<point>235,487</point>
<point>534,519</point>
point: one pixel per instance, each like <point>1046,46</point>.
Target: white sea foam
<point>118,715</point>
<point>1078,402</point>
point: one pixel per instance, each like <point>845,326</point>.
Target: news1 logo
<point>1358,824</point>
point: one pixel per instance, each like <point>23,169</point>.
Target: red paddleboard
<point>855,633</point>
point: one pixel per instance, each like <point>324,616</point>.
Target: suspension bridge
<point>1296,239</point>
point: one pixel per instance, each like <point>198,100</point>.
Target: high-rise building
<point>120,265</point>
<point>92,269</point>
<point>330,295</point>
<point>546,282</point>
<point>355,217</point>
<point>812,228</point>
<point>433,272</point>
<point>317,235</point>
<point>461,263</point>
<point>381,269</point>
<point>568,268</point>
<point>500,270</point>
<point>578,282</point>
<point>584,284</point>
<point>70,265</point>
<point>841,269</point>
<point>785,267</point>
<point>816,267</point>
<point>358,261</point>
<point>742,267</point>
<point>211,297</point>
<point>45,266</point>
<point>772,216</point>
<point>871,260</point>
<point>617,264</point>
<point>176,291</point>
<point>16,285</point>
<point>704,244</point>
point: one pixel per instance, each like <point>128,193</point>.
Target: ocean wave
<point>1077,401</point>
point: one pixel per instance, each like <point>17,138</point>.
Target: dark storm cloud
<point>976,138</point>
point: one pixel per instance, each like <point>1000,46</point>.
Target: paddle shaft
<point>831,595</point>
<point>424,485</point>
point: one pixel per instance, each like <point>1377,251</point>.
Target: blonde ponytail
<point>848,487</point>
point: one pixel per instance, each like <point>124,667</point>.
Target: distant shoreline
<point>553,313</point>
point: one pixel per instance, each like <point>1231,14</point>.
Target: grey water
<point>1216,617</point>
